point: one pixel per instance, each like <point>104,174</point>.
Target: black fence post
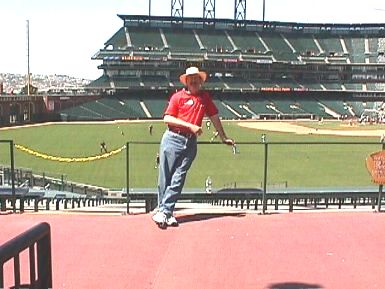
<point>264,200</point>
<point>13,176</point>
<point>62,183</point>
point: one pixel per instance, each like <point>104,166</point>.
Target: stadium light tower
<point>209,9</point>
<point>263,10</point>
<point>177,8</point>
<point>28,70</point>
<point>240,11</point>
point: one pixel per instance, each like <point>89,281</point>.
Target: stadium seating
<point>311,85</point>
<point>214,83</point>
<point>105,109</point>
<point>236,106</point>
<point>153,81</point>
<point>332,85</point>
<point>79,113</point>
<point>313,107</point>
<point>134,104</point>
<point>181,40</point>
<point>127,82</point>
<point>330,45</point>
<point>118,41</point>
<point>288,107</point>
<point>236,83</point>
<point>353,86</point>
<point>225,112</point>
<point>102,82</point>
<point>155,105</point>
<point>359,107</point>
<point>215,41</point>
<point>375,86</point>
<point>303,45</point>
<point>256,70</point>
<point>261,107</point>
<point>146,39</point>
<point>121,108</point>
<point>372,45</point>
<point>356,48</point>
<point>247,42</point>
<point>337,106</point>
<point>285,82</point>
<point>263,83</point>
<point>276,43</point>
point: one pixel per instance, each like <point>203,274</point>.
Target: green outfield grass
<point>295,165</point>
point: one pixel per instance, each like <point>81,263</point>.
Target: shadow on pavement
<point>294,285</point>
<point>207,216</point>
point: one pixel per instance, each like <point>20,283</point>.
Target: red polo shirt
<point>191,108</point>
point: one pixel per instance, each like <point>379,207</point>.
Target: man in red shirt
<point>178,148</point>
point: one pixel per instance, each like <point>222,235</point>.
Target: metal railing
<point>39,259</point>
<point>10,142</point>
<point>37,203</point>
<point>267,163</point>
<point>266,146</point>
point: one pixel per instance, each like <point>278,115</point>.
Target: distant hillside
<point>13,83</point>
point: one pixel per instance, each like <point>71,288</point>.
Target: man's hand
<point>228,141</point>
<point>197,130</point>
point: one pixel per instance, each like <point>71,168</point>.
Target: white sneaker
<point>171,221</point>
<point>160,218</point>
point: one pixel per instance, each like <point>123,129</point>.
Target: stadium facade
<point>256,69</point>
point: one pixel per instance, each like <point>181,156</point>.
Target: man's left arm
<point>218,126</point>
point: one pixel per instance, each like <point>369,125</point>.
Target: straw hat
<point>192,71</point>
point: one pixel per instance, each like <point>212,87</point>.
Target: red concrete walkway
<point>281,251</point>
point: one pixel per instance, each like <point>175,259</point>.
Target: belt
<point>182,133</point>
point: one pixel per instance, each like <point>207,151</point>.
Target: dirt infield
<point>277,126</point>
<point>290,127</point>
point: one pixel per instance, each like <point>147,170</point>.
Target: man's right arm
<point>218,126</point>
<point>172,120</point>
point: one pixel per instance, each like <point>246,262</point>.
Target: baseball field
<point>299,153</point>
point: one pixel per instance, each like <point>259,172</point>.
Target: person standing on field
<point>178,148</point>
<point>157,160</point>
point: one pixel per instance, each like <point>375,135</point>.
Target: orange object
<point>376,166</point>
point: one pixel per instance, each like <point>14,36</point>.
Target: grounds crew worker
<point>178,148</point>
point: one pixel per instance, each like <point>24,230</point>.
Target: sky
<point>65,34</point>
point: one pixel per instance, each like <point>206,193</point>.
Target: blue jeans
<point>176,155</point>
